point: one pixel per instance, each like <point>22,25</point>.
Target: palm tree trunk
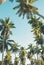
<point>3,55</point>
<point>3,49</point>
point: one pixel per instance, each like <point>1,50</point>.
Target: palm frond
<point>16,7</point>
<point>10,40</point>
<point>1,37</point>
<point>32,1</point>
<point>7,20</point>
<point>1,26</point>
<point>2,21</point>
<point>9,44</point>
<point>11,25</point>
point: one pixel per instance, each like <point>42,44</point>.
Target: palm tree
<point>5,26</point>
<point>7,44</point>
<point>15,48</point>
<point>22,55</point>
<point>37,27</point>
<point>7,59</point>
<point>30,54</point>
<point>25,8</point>
<point>33,50</point>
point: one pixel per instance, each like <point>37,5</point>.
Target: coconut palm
<point>22,55</point>
<point>7,44</point>
<point>25,7</point>
<point>5,29</point>
<point>31,52</point>
<point>15,48</point>
<point>38,31</point>
<point>7,59</point>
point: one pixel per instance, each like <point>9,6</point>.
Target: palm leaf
<point>1,37</point>
<point>10,40</point>
<point>6,47</point>
<point>19,10</point>
<point>39,15</point>
<point>1,27</point>
<point>16,7</point>
<point>10,32</point>
<point>11,25</point>
<point>2,21</point>
<point>7,20</point>
<point>9,44</point>
<point>32,1</point>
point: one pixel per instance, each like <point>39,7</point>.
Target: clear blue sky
<point>22,34</point>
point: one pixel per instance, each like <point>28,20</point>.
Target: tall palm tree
<point>24,8</point>
<point>33,50</point>
<point>7,43</point>
<point>22,55</point>
<point>5,29</point>
<point>30,53</point>
<point>15,48</point>
<point>7,59</point>
<point>37,27</point>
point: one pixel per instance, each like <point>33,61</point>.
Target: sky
<point>22,33</point>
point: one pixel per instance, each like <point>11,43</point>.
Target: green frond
<point>1,21</point>
<point>1,26</point>
<point>32,1</point>
<point>11,25</point>
<point>7,20</point>
<point>10,40</point>
<point>16,7</point>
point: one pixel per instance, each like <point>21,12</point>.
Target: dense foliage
<point>35,53</point>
